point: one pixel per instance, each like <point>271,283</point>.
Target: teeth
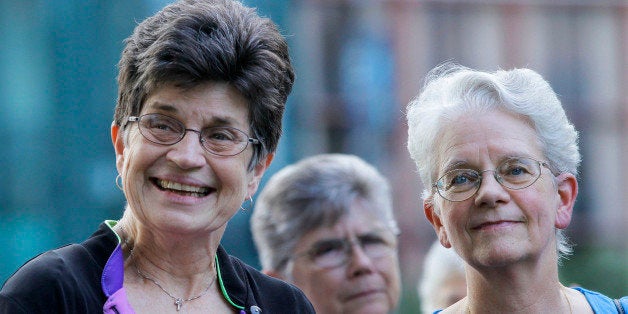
<point>182,187</point>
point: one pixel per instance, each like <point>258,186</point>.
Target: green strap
<point>223,289</point>
<point>111,224</point>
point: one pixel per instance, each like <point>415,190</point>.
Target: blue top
<point>600,303</point>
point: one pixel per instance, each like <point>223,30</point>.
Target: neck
<point>506,291</point>
<point>179,288</point>
<point>171,261</point>
<point>178,254</point>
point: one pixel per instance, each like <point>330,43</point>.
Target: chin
<point>374,306</point>
<point>370,309</point>
<point>498,258</point>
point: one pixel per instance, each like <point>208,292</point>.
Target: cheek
<point>132,174</point>
<point>136,160</point>
<point>540,201</point>
<point>234,178</point>
<point>453,216</point>
<point>132,151</point>
<point>389,269</point>
<point>318,283</point>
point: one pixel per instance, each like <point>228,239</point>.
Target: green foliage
<point>601,269</point>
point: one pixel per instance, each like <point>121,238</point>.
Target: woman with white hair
<point>499,159</point>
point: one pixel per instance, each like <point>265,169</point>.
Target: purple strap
<point>111,281</point>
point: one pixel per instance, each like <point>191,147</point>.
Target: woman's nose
<point>188,153</point>
<point>491,191</point>
<point>359,262</point>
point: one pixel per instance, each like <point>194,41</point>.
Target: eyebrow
<point>456,165</point>
<point>357,236</point>
<point>162,106</point>
<point>462,164</point>
<point>169,108</point>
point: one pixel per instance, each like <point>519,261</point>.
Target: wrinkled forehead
<point>470,135</point>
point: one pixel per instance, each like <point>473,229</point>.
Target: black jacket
<point>68,280</point>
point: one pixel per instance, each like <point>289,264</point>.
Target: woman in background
<point>326,225</point>
<point>443,280</point>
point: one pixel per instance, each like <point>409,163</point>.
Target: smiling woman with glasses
<point>210,67</point>
<point>326,225</point>
<point>498,159</point>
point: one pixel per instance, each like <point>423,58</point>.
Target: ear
<point>118,145</point>
<point>274,274</point>
<point>567,192</point>
<point>434,218</point>
<point>258,172</point>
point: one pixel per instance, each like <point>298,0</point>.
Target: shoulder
<point>41,278</point>
<point>271,294</point>
<point>601,303</point>
<point>46,267</point>
<point>272,291</point>
<point>66,278</point>
<point>35,277</point>
<point>262,281</point>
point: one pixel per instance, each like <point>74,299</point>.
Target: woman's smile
<point>496,225</point>
<point>182,189</point>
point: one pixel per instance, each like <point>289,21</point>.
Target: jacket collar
<point>234,282</point>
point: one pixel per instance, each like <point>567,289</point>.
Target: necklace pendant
<point>178,302</point>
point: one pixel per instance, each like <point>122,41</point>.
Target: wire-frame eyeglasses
<point>335,252</point>
<point>514,173</point>
<point>219,140</point>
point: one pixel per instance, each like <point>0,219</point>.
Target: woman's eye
<point>463,178</point>
<point>516,171</point>
<point>372,240</point>
<point>162,125</point>
<point>326,248</point>
<point>459,179</point>
<point>221,135</point>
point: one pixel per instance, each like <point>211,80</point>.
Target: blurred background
<point>358,63</point>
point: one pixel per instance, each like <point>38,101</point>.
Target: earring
<point>119,182</point>
<point>250,199</point>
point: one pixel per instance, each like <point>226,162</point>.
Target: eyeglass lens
<point>513,173</point>
<point>165,130</point>
<point>336,252</point>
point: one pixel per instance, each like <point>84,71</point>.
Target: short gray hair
<point>313,193</point>
<point>451,90</point>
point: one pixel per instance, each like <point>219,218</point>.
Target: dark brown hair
<point>190,42</point>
